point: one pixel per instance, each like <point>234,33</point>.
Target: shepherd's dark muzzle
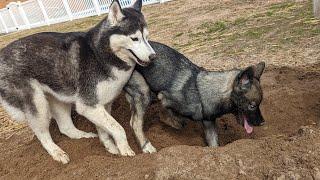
<point>255,118</point>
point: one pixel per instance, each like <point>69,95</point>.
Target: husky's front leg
<point>211,133</point>
<point>61,112</point>
<point>102,119</point>
<point>106,138</point>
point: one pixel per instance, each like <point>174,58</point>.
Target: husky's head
<point>129,34</point>
<point>247,96</point>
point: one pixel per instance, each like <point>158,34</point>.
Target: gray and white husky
<point>42,75</point>
<point>191,92</point>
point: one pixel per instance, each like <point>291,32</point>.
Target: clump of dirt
<point>216,35</point>
<point>286,147</point>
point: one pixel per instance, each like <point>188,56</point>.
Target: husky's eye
<point>134,39</point>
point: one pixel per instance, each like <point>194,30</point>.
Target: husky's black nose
<point>153,57</point>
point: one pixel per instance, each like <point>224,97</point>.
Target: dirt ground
<point>216,35</point>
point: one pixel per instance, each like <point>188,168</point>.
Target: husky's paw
<point>89,135</point>
<point>77,134</point>
<point>126,152</point>
<point>61,156</point>
<point>148,148</point>
<point>113,150</point>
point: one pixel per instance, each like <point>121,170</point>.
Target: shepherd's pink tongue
<point>248,128</point>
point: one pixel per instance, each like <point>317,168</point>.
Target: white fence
<point>35,13</point>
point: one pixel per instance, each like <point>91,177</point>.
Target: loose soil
<point>286,147</point>
<point>281,148</point>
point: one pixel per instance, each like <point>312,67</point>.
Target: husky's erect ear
<point>137,4</point>
<point>245,78</point>
<point>115,13</point>
<point>259,69</point>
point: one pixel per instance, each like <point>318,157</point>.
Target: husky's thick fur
<point>42,75</point>
<point>188,91</point>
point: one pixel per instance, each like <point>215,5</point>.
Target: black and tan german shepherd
<point>191,92</point>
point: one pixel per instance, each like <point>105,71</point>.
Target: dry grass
<point>221,34</point>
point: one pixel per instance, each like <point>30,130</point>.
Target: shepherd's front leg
<point>102,119</point>
<point>136,122</point>
<point>211,133</point>
<point>138,96</point>
<point>172,119</point>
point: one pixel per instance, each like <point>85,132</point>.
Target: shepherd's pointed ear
<point>245,78</point>
<point>137,4</point>
<point>259,69</point>
<point>115,13</point>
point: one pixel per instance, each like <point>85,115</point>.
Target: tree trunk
<point>316,8</point>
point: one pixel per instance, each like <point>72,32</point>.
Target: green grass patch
<point>281,25</point>
<point>178,35</point>
<point>254,33</point>
<point>212,27</point>
<point>281,6</point>
<point>182,46</point>
<point>269,13</point>
<point>315,31</point>
<point>240,21</point>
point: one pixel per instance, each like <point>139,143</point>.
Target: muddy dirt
<point>237,33</point>
<point>287,146</point>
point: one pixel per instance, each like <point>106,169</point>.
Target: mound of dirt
<point>286,147</point>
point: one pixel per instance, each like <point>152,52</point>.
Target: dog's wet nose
<point>262,123</point>
<point>152,57</point>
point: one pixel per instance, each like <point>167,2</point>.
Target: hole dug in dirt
<point>277,149</point>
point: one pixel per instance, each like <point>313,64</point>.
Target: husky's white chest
<point>109,89</point>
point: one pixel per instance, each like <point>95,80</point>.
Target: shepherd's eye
<point>134,39</point>
<point>252,106</point>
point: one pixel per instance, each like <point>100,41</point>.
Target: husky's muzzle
<point>152,57</point>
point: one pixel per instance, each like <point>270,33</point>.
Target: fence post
<point>4,24</point>
<point>68,9</point>
<point>97,7</point>
<point>45,15</point>
<point>13,18</point>
<point>23,15</point>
